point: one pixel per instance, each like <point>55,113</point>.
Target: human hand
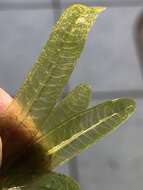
<point>5,100</point>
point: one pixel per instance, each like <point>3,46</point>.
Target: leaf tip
<point>131,106</point>
<point>98,10</point>
<point>126,104</point>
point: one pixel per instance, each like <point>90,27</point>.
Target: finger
<point>5,100</point>
<point>0,152</point>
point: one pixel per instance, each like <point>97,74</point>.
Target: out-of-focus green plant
<point>48,131</point>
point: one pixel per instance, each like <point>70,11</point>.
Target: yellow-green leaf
<point>84,129</point>
<point>76,101</point>
<point>48,181</point>
<point>46,81</point>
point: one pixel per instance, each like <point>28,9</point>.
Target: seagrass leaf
<point>76,101</point>
<point>78,133</point>
<point>53,181</point>
<point>45,83</point>
<point>49,181</point>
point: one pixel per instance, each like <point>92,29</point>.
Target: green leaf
<point>50,181</point>
<point>44,84</point>
<point>70,138</point>
<point>76,101</point>
<point>53,182</point>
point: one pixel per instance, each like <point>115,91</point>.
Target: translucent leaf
<point>76,101</point>
<point>53,182</point>
<point>50,181</point>
<point>78,133</point>
<point>46,81</point>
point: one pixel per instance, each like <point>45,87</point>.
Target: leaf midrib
<point>75,136</point>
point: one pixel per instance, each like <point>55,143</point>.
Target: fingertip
<point>5,100</point>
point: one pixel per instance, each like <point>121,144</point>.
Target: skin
<point>5,100</point>
<point>16,136</point>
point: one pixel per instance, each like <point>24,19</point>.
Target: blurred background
<point>112,62</point>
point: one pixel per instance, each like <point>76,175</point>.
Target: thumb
<point>5,100</point>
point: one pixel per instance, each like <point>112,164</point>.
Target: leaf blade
<point>76,101</point>
<point>54,181</point>
<point>46,181</point>
<point>80,132</point>
<point>49,75</point>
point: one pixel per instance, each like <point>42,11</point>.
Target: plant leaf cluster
<point>67,125</point>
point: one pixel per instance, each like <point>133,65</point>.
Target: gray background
<point>109,63</point>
